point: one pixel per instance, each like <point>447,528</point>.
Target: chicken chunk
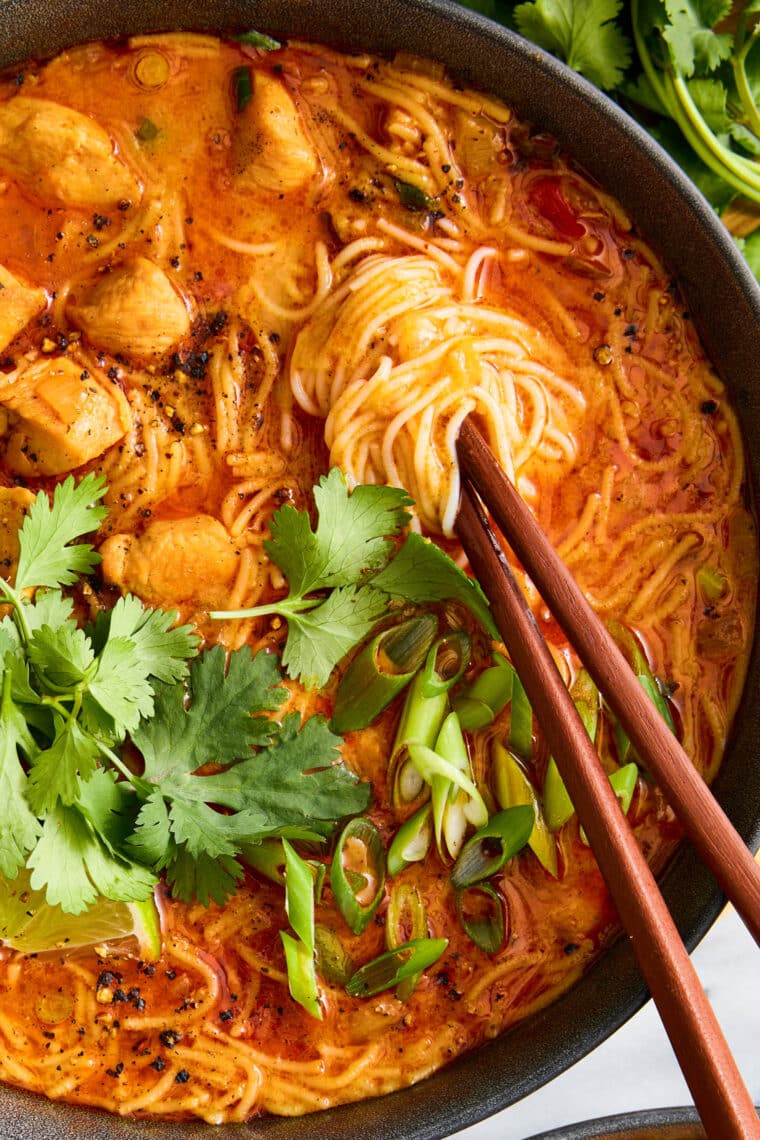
<point>14,503</point>
<point>18,304</point>
<point>272,151</point>
<point>60,154</point>
<point>132,310</point>
<point>59,417</point>
<point>190,559</point>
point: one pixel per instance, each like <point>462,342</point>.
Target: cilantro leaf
<point>694,46</point>
<point>162,650</point>
<point>48,608</point>
<point>57,770</point>
<point>120,685</point>
<point>19,827</point>
<point>581,32</point>
<point>45,558</point>
<point>321,637</point>
<point>204,878</point>
<point>74,867</point>
<point>351,537</point>
<point>750,247</point>
<point>151,841</point>
<point>217,727</point>
<point>296,779</point>
<point>422,572</point>
<point>110,806</point>
<point>61,656</point>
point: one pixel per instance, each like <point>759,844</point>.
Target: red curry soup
<point>280,830</point>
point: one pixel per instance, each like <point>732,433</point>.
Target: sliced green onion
<point>319,873</point>
<point>429,764</point>
<point>333,963</point>
<point>473,714</point>
<point>558,807</point>
<point>147,131</point>
<point>381,671</point>
<point>520,721</point>
<point>650,685</point>
<point>446,662</point>
<point>412,196</point>
<point>266,857</point>
<point>406,920</point>
<point>512,788</point>
<point>258,40</point>
<point>481,912</point>
<point>242,87</point>
<point>299,895</point>
<point>711,583</point>
<point>623,781</point>
<point>302,976</point>
<point>411,842</point>
<point>420,722</point>
<point>395,965</point>
<point>652,688</point>
<point>359,838</point>
<point>490,692</point>
<point>490,847</point>
<point>453,807</point>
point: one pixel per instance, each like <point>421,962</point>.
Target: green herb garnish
<point>258,40</point>
<point>342,576</point>
<point>72,810</point>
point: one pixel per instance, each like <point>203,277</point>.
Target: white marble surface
<point>635,1068</point>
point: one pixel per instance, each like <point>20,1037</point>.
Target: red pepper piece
<point>556,209</point>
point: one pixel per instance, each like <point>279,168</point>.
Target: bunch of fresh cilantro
<point>689,70</point>
<point>218,771</point>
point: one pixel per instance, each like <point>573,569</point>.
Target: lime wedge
<point>32,926</point>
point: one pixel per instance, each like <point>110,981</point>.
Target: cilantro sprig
<point>676,67</point>
<point>217,769</point>
<point>343,575</point>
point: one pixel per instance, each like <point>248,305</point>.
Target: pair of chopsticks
<point>709,1068</point>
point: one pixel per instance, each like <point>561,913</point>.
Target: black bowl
<point>725,303</point>
<point>655,1124</point>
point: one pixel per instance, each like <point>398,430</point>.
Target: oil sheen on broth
<point>209,301</point>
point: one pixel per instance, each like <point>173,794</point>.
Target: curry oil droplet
<point>54,1007</point>
<point>603,354</point>
<point>151,70</point>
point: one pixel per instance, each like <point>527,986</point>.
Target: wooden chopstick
<point>706,824</point>
<point>719,1093</point>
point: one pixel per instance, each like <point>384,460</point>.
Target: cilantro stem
<point>138,784</point>
<point>14,600</point>
<point>286,608</point>
<point>743,46</point>
<point>672,91</point>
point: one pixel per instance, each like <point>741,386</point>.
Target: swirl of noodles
<point>394,363</point>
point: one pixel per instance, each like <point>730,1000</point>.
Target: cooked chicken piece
<point>60,154</point>
<point>272,151</point>
<point>191,559</point>
<point>60,416</point>
<point>14,503</point>
<point>18,304</point>
<point>132,310</point>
